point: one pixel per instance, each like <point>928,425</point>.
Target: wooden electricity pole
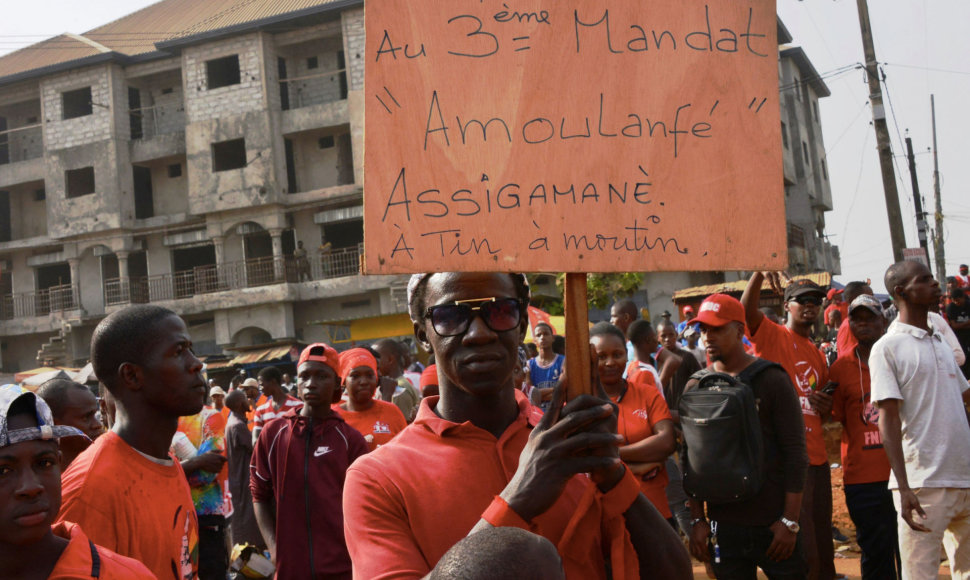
<point>938,237</point>
<point>896,233</point>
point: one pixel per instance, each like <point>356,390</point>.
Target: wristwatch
<point>793,527</point>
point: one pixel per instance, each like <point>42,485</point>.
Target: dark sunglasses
<point>806,300</point>
<point>499,314</point>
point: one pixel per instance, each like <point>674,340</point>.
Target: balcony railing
<point>320,265</point>
<point>313,89</point>
<point>160,119</point>
<point>39,303</point>
<point>21,144</point>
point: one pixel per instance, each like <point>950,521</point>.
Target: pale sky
<point>922,44</point>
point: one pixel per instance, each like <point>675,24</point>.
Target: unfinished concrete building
<point>216,170</point>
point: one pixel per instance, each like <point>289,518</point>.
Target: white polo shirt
<point>918,368</point>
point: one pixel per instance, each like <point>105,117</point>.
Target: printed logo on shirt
<point>382,427</point>
<point>322,450</point>
<point>641,414</point>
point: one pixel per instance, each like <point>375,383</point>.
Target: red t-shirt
<point>133,506</point>
<point>808,371</point>
<point>641,407</point>
<point>76,560</point>
<point>378,425</point>
<point>863,458</point>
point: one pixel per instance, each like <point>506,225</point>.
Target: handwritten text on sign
<point>579,136</point>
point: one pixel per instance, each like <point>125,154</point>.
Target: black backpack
<point>723,452</point>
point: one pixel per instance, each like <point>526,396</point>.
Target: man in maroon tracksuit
<point>297,476</point>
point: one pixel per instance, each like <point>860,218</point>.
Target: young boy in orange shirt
<point>30,496</point>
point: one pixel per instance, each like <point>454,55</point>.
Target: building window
<point>222,72</point>
<point>815,110</point>
<point>798,89</point>
<point>312,63</point>
<point>805,153</point>
<point>175,170</point>
<point>79,181</point>
<point>168,91</point>
<point>229,155</point>
<point>40,194</point>
<point>76,103</point>
<point>784,134</point>
<point>825,173</point>
<point>326,142</point>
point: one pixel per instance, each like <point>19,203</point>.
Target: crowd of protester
<point>367,464</point>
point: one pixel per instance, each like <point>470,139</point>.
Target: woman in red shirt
<point>643,418</point>
<point>377,421</point>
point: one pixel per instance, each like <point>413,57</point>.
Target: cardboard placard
<point>574,136</point>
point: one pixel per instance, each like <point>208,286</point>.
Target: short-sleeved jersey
<point>808,371</point>
<point>863,458</point>
<point>378,425</point>
<point>641,407</point>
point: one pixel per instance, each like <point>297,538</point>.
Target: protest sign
<point>572,136</point>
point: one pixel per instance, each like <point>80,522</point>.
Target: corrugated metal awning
<point>823,279</point>
<point>343,214</point>
<point>262,354</point>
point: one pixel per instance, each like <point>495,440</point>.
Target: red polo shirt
<point>407,503</point>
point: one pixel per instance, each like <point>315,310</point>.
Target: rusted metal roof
<point>262,355</point>
<point>139,32</point>
<point>823,279</point>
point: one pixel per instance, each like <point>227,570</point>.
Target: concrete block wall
<point>353,25</point>
<point>251,186</point>
<point>203,104</point>
<point>97,211</point>
<point>60,133</point>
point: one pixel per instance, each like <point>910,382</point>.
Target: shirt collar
<point>427,418</point>
<point>900,327</point>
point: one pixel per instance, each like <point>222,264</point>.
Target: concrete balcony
<point>21,155</point>
<point>40,303</point>
<point>225,284</point>
<point>157,131</point>
<point>317,116</point>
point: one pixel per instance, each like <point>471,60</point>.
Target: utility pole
<point>896,233</point>
<point>917,199</point>
<point>938,238</point>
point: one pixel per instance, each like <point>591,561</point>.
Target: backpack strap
<point>95,561</point>
<point>754,369</point>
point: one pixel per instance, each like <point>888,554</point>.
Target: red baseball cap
<point>833,292</point>
<point>688,309</point>
<point>321,352</point>
<point>718,310</point>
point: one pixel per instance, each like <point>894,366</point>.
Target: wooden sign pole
<point>576,303</point>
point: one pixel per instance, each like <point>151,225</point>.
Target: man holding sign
<point>476,457</point>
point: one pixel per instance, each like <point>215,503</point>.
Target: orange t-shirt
<point>378,425</point>
<point>808,370</point>
<point>641,408</point>
<point>863,458</point>
<point>134,506</point>
<point>76,560</point>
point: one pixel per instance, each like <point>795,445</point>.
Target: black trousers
<point>816,521</point>
<point>742,550</point>
<point>872,511</point>
<point>213,558</point>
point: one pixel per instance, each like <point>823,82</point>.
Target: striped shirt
<point>267,412</point>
